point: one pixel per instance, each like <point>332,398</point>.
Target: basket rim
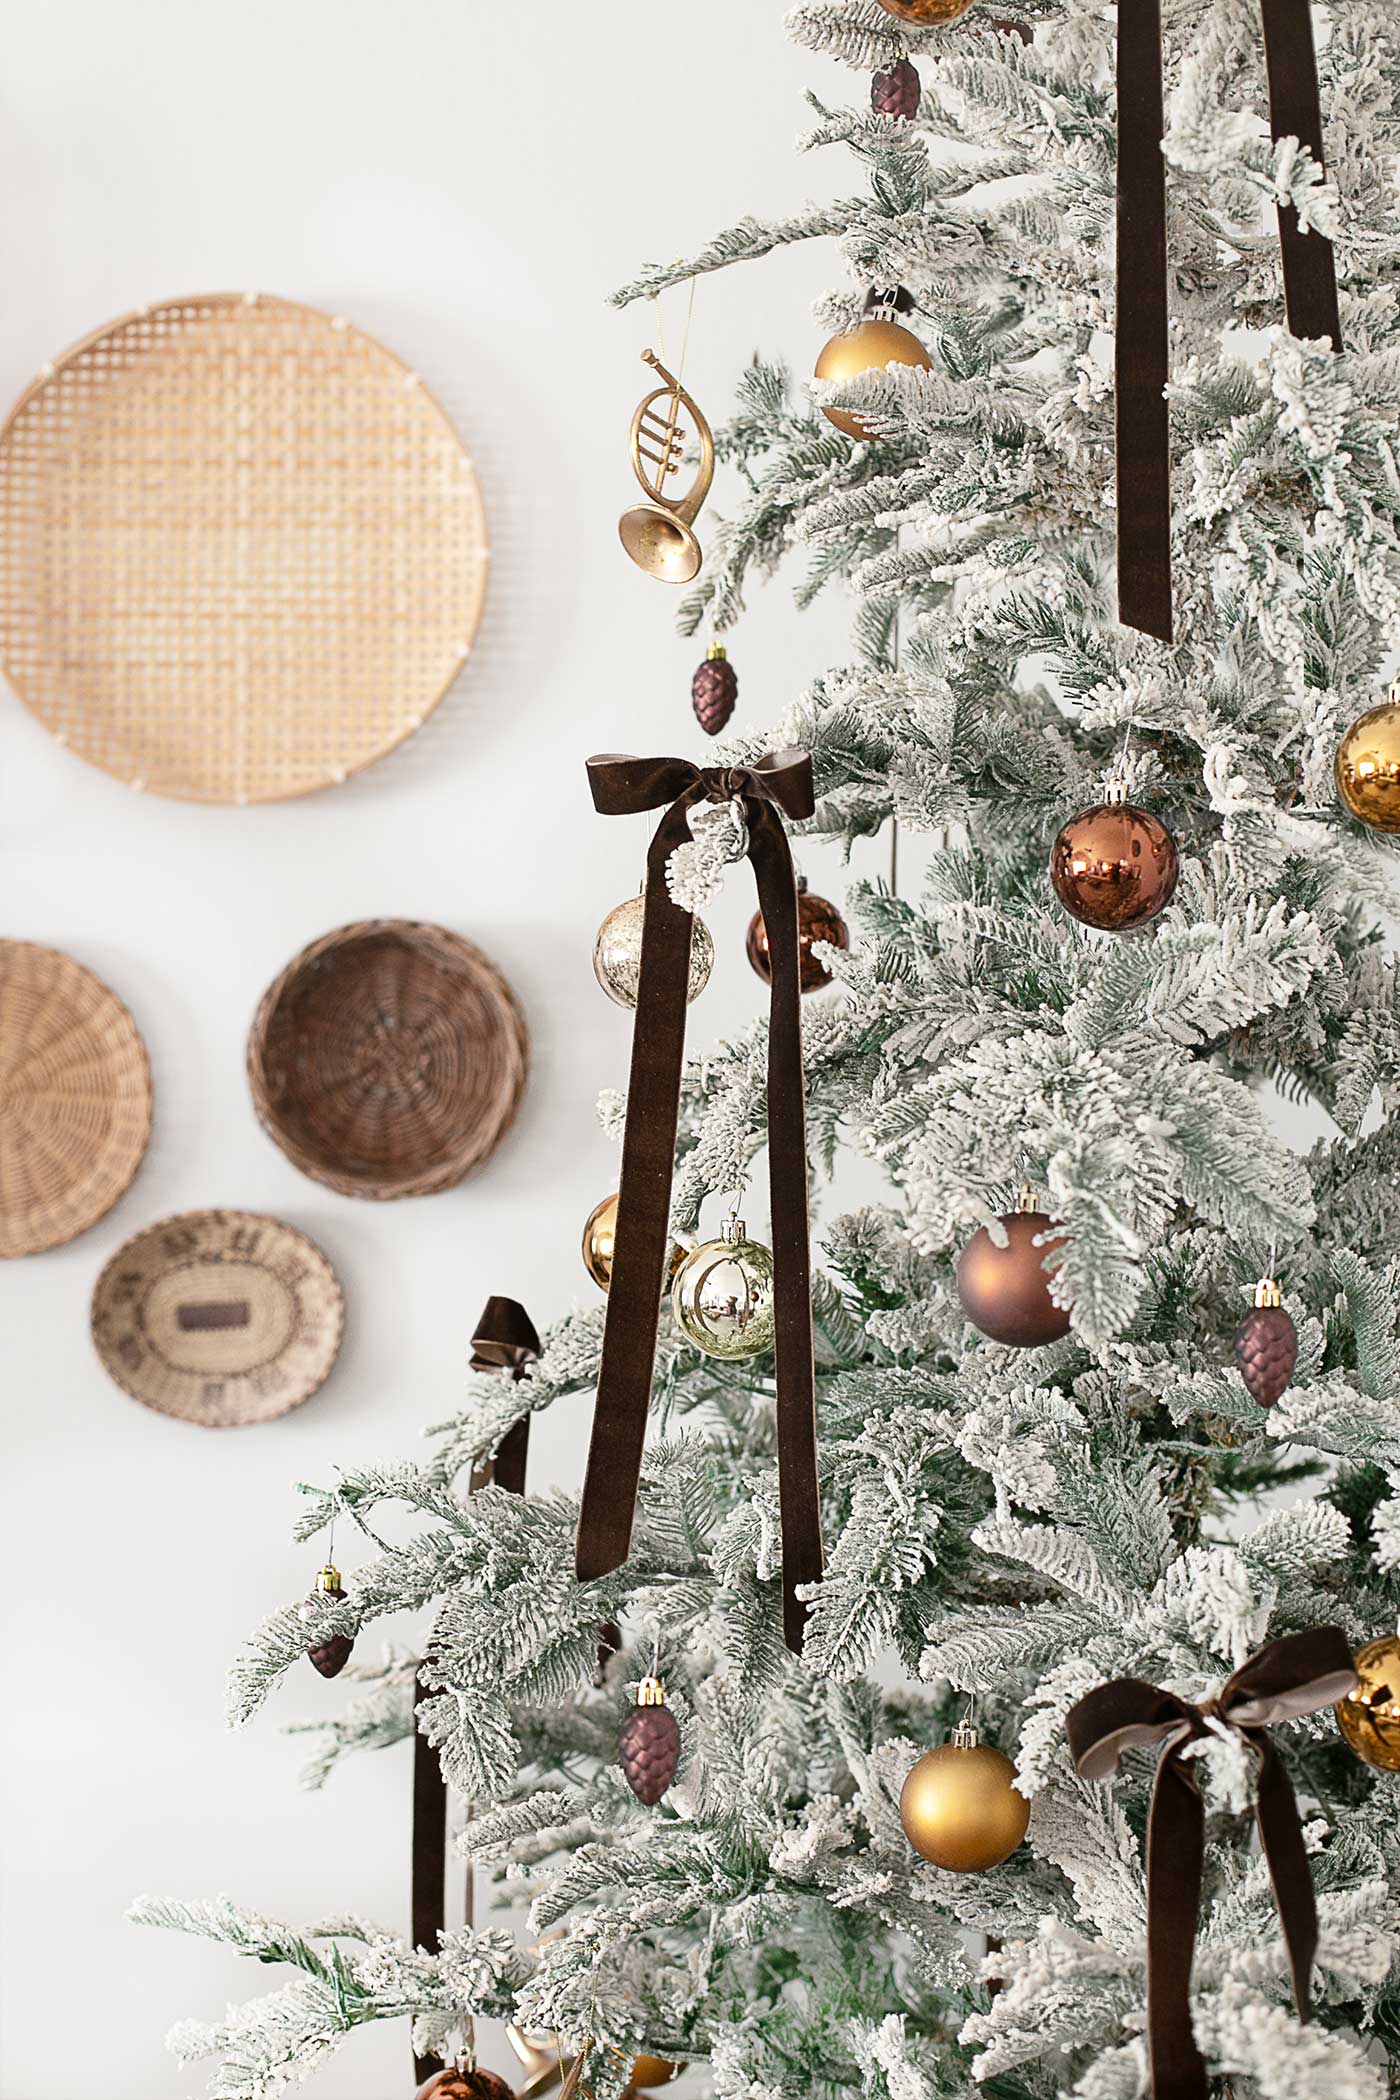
<point>69,967</point>
<point>466,1160</point>
<point>232,301</point>
<point>290,1233</point>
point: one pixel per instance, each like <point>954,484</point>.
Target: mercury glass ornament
<point>1370,1718</point>
<point>959,1807</point>
<point>723,1294</point>
<point>875,345</point>
<point>1368,766</point>
<point>1114,866</point>
<point>617,953</point>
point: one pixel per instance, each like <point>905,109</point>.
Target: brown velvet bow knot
<point>778,784</point>
<point>1297,1675</point>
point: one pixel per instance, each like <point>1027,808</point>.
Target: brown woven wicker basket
<point>75,1098</point>
<point>220,1317</point>
<point>388,1059</point>
<point>242,549</point>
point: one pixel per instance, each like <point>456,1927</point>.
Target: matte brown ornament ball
<point>874,346</point>
<point>649,1749</point>
<point>714,689</point>
<point>1114,866</point>
<point>1005,1291</point>
<point>1370,1718</point>
<point>960,1810</point>
<point>896,92</point>
<point>1368,768</point>
<point>817,920</point>
<point>1266,1349</point>
<point>461,2084</point>
<point>927,11</point>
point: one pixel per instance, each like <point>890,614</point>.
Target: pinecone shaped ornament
<point>896,93</point>
<point>1266,1345</point>
<point>331,1655</point>
<point>714,690</point>
<point>650,1744</point>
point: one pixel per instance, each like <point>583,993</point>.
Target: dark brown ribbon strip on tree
<point>505,1340</point>
<point>1140,326</point>
<point>778,782</point>
<point>1297,1675</point>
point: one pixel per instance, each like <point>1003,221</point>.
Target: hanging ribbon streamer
<point>1141,343</point>
<point>505,1340</point>
<point>780,781</point>
<point>1297,1675</point>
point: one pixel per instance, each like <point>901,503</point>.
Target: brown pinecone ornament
<point>896,93</point>
<point>1266,1345</point>
<point>331,1655</point>
<point>650,1744</point>
<point>714,690</point>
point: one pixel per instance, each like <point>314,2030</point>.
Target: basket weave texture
<point>388,1059</point>
<point>242,549</point>
<point>75,1098</point>
<point>220,1317</point>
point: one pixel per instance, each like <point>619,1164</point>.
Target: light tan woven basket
<point>242,549</point>
<point>388,1059</point>
<point>220,1317</point>
<point>75,1098</point>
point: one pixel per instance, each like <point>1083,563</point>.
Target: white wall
<point>466,182</point>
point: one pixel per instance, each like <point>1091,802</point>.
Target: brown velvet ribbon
<point>505,1340</point>
<point>776,785</point>
<point>1141,344</point>
<point>1297,1675</point>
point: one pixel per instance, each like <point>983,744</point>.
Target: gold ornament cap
<point>651,1692</point>
<point>717,653</point>
<point>1115,791</point>
<point>1267,1292</point>
<point>328,1579</point>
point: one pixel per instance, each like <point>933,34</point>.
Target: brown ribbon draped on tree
<point>778,782</point>
<point>1140,349</point>
<point>1297,1675</point>
<point>505,1340</point>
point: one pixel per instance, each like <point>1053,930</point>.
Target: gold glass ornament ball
<point>1368,767</point>
<point>959,1808</point>
<point>1370,1718</point>
<point>600,1245</point>
<point>617,953</point>
<point>722,1295</point>
<point>874,346</point>
<point>928,12</point>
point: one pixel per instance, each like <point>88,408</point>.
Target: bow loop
<point>505,1338</point>
<point>623,785</point>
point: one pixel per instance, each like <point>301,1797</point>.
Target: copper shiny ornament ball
<point>1370,1718</point>
<point>461,2084</point>
<point>874,346</point>
<point>1005,1291</point>
<point>817,920</point>
<point>929,12</point>
<point>617,953</point>
<point>959,1807</point>
<point>1114,866</point>
<point>1368,766</point>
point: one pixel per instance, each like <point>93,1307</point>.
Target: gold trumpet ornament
<point>658,534</point>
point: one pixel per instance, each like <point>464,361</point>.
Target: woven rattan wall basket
<point>388,1059</point>
<point>219,1317</point>
<point>75,1098</point>
<point>242,549</point>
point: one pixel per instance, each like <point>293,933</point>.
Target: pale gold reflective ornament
<point>1368,766</point>
<point>1370,1718</point>
<point>875,345</point>
<point>599,1245</point>
<point>617,953</point>
<point>723,1295</point>
<point>959,1807</point>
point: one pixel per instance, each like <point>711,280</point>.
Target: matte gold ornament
<point>1005,1291</point>
<point>1114,866</point>
<point>723,1295</point>
<point>658,535</point>
<point>617,953</point>
<point>959,1807</point>
<point>929,12</point>
<point>876,344</point>
<point>599,1237</point>
<point>1370,1718</point>
<point>1368,766</point>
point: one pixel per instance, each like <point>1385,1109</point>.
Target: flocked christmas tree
<point>1007,1527</point>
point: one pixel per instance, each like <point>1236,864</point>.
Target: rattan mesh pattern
<point>220,1317</point>
<point>242,549</point>
<point>388,1059</point>
<point>75,1098</point>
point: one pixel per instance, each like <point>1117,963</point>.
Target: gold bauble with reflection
<point>1368,766</point>
<point>874,346</point>
<point>722,1295</point>
<point>959,1807</point>
<point>599,1241</point>
<point>654,2070</point>
<point>617,953</point>
<point>1370,1718</point>
<point>928,12</point>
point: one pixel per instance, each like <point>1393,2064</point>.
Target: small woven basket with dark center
<point>388,1059</point>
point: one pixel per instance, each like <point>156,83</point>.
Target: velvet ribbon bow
<point>776,785</point>
<point>1297,1675</point>
<point>1140,349</point>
